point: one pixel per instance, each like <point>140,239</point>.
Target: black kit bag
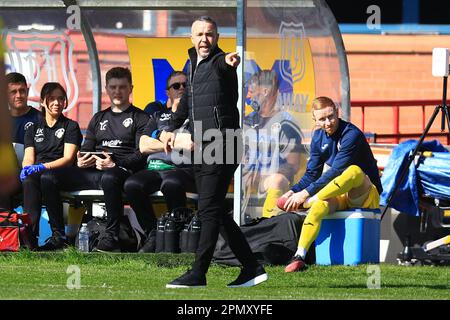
<point>273,241</point>
<point>96,227</point>
<point>128,239</point>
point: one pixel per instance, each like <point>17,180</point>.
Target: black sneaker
<point>55,242</point>
<point>107,243</point>
<point>249,277</point>
<point>150,243</point>
<point>188,280</point>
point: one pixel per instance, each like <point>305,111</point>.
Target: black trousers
<point>212,184</point>
<point>173,184</point>
<point>111,181</point>
<point>32,201</point>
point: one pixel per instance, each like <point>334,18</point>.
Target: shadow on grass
<point>71,255</point>
<point>394,286</point>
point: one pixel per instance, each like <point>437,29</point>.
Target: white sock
<point>301,252</point>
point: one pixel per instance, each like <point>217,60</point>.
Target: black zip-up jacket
<point>211,95</point>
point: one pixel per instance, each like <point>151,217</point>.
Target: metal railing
<point>396,135</point>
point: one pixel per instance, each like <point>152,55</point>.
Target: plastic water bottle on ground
<point>83,238</point>
<point>194,234</point>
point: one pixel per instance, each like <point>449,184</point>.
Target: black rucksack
<point>128,240</point>
<point>273,241</point>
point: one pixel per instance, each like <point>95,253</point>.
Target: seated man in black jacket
<point>175,86</point>
<point>115,132</point>
<point>174,180</point>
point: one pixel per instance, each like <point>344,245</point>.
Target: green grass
<point>31,275</point>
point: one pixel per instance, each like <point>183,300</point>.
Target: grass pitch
<point>73,275</point>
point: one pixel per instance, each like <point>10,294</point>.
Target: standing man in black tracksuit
<point>115,132</point>
<point>210,103</point>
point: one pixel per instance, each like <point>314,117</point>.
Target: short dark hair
<point>207,19</point>
<point>118,73</point>
<point>266,78</point>
<point>173,74</point>
<point>15,77</point>
<point>48,88</point>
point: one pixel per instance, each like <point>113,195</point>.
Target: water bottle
<point>194,234</point>
<point>160,225</point>
<point>83,238</point>
<point>184,238</point>
<point>171,237</point>
<point>406,254</point>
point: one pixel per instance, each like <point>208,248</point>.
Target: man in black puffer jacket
<point>210,103</point>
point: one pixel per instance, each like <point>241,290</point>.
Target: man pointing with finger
<point>210,104</point>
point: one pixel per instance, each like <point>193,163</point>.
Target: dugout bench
<point>87,198</point>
